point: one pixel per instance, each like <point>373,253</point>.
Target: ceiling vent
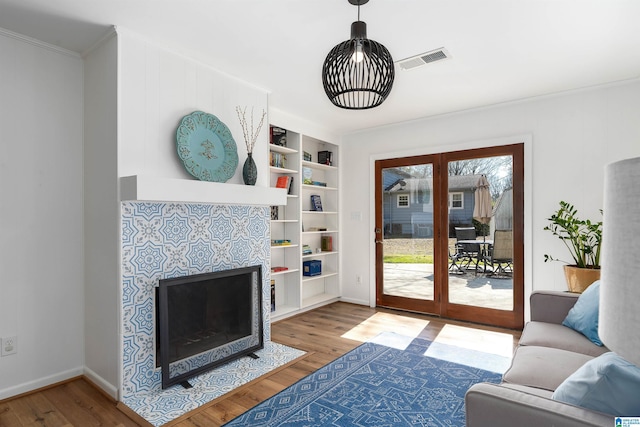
<point>423,59</point>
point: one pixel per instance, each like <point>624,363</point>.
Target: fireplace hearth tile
<point>159,406</point>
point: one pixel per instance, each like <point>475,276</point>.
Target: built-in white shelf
<point>320,212</point>
<point>318,187</point>
<point>319,166</point>
<point>319,276</point>
<point>283,246</point>
<point>319,254</point>
<point>157,189</point>
<point>275,169</point>
<point>281,149</point>
<point>280,273</point>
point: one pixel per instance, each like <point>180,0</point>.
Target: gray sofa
<point>547,354</point>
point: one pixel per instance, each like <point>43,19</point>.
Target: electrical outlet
<point>9,346</point>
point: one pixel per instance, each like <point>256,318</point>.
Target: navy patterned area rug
<point>374,385</point>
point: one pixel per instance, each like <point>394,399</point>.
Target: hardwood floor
<point>325,333</point>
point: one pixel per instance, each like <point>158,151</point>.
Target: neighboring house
<point>408,204</point>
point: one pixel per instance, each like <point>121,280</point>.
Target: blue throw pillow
<point>583,316</point>
<point>606,384</point>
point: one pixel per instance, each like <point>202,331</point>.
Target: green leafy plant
<point>582,237</point>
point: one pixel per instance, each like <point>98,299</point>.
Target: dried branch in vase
<point>249,135</point>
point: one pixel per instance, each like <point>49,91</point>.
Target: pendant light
<point>358,73</point>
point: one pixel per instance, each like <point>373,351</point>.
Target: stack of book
<point>278,160</point>
<point>306,250</point>
<point>280,242</point>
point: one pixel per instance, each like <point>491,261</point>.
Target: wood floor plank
<point>37,410</point>
<point>83,405</point>
<point>8,417</point>
<point>320,332</point>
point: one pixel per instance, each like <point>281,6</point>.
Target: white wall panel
<point>41,223</point>
<point>158,88</point>
<point>102,217</point>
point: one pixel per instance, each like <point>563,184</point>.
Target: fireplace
<point>206,320</point>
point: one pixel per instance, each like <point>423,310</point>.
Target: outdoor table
<point>484,246</point>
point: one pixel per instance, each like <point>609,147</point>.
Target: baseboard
<point>354,301</point>
<point>40,383</point>
<point>102,384</point>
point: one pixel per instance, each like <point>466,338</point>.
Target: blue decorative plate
<point>206,147</point>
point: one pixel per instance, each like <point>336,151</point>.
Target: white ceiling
<point>501,50</point>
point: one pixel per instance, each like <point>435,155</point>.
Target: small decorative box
<point>312,267</point>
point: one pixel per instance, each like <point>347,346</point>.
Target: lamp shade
<point>619,322</point>
<point>358,74</point>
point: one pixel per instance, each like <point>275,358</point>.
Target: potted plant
<point>583,239</point>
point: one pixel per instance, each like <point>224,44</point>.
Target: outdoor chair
<point>501,253</point>
<point>456,256</point>
<point>467,252</point>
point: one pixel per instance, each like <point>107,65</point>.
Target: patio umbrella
<point>482,209</point>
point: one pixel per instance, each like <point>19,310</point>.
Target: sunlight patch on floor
<point>492,342</point>
<point>386,322</point>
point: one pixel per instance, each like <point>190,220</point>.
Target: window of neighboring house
<point>403,200</point>
<point>456,200</point>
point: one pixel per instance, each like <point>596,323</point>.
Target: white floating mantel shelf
<point>157,189</point>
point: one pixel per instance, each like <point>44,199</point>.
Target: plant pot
<point>579,279</point>
<point>249,171</point>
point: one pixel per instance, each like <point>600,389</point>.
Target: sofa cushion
<point>608,384</point>
<point>583,316</point>
<point>543,367</point>
<point>557,336</point>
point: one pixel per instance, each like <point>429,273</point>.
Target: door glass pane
<point>481,232</point>
<point>408,231</point>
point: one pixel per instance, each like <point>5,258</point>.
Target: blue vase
<point>249,171</point>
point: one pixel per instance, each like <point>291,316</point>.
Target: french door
<point>439,249</point>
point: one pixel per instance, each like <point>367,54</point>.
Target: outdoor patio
<point>471,288</point>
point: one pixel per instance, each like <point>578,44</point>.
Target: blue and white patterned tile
<point>159,406</point>
<point>175,229</point>
<point>161,240</point>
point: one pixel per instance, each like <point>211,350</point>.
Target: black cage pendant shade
<point>358,73</point>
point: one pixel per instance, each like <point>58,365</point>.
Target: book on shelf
<point>278,268</point>
<point>278,136</point>
<point>273,295</point>
<point>316,203</point>
<point>307,174</point>
<point>278,160</point>
<point>280,242</point>
<point>306,250</point>
<point>326,243</point>
<point>286,182</point>
<point>317,229</point>
<point>319,183</point>
<point>325,158</point>
<point>306,156</point>
<point>274,213</point>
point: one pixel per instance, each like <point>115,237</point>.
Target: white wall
<point>571,137</point>
<point>41,247</point>
<point>159,87</point>
<point>102,217</point>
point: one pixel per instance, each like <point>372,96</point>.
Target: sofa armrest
<point>490,405</point>
<point>551,306</point>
